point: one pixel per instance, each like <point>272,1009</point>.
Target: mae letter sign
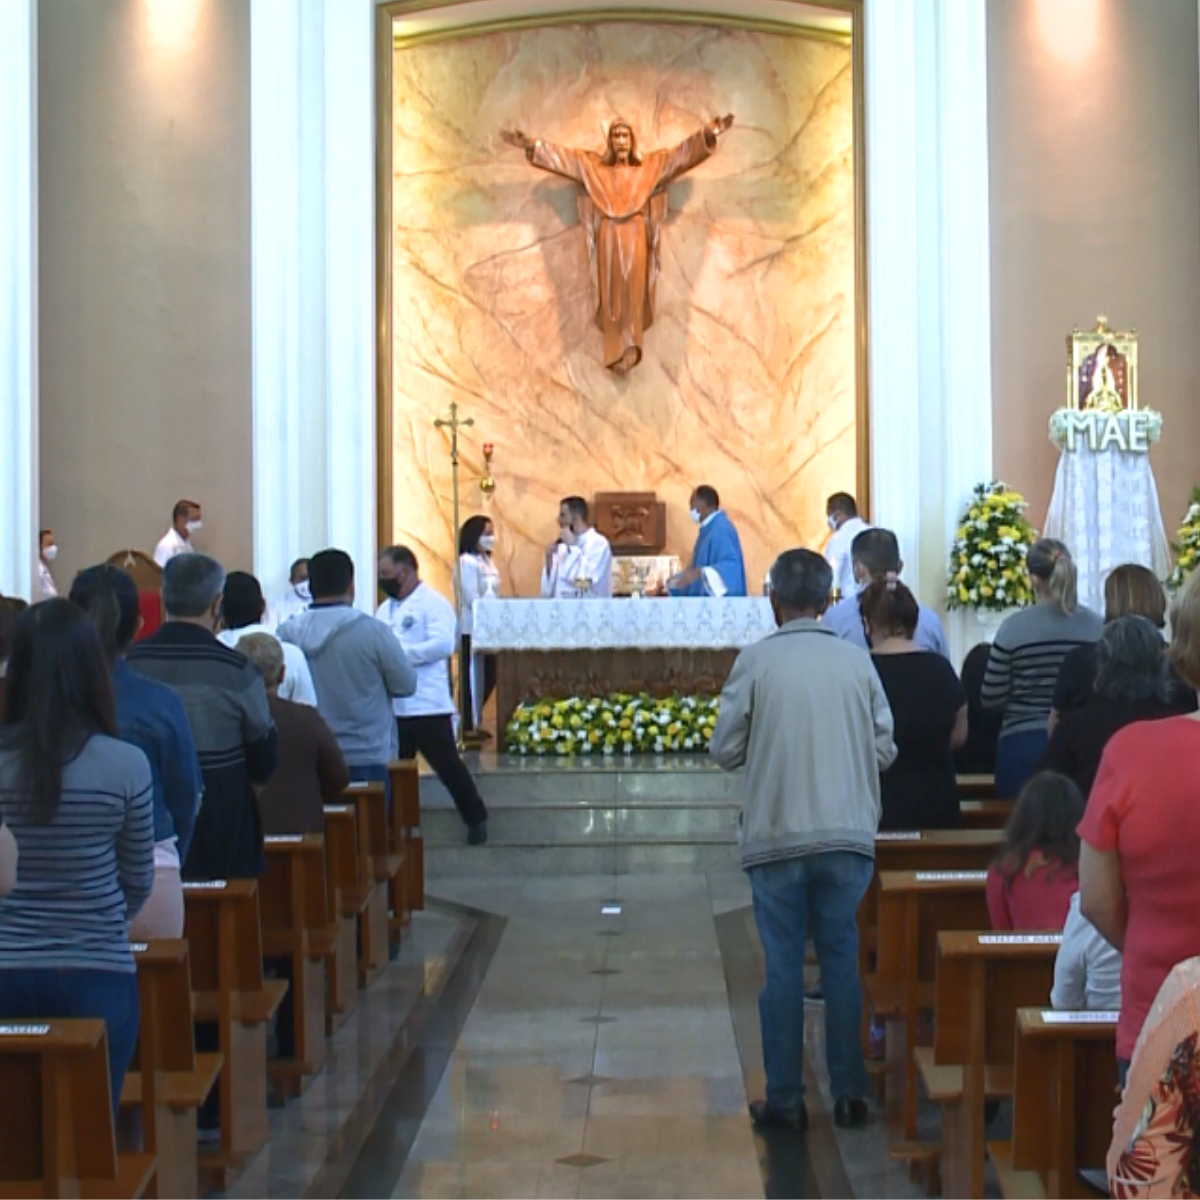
<point>1128,431</point>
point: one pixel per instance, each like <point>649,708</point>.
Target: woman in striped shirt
<point>1025,660</point>
<point>79,802</point>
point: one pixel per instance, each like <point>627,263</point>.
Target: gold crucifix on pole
<point>454,423</point>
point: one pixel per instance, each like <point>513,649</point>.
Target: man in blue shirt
<point>875,553</point>
<point>717,568</point>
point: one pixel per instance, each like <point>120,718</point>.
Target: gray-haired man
<point>805,714</point>
<point>226,704</point>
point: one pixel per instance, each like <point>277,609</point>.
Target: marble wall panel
<point>748,379</point>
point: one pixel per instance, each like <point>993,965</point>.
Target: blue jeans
<point>820,892</point>
<point>1017,757</point>
<point>373,773</point>
<point>48,992</point>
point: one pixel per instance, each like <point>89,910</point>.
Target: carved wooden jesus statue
<point>622,205</point>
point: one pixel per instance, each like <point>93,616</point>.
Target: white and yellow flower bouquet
<point>619,723</point>
<point>987,559</point>
<point>1187,548</point>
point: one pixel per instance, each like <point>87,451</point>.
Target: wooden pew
<point>167,1080</point>
<point>406,832</point>
<point>1064,1092</point>
<point>221,924</point>
<point>346,898</point>
<point>982,979</point>
<point>986,814</point>
<point>374,872</point>
<point>914,907</point>
<point>296,927</point>
<point>977,787</point>
<point>56,1118</point>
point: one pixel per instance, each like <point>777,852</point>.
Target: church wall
<point>748,377</point>
<point>1095,208</point>
<point>144,242</point>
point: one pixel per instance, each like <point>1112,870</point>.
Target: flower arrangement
<point>1187,549</point>
<point>987,559</point>
<point>619,723</point>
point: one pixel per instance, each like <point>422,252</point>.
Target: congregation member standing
<point>1131,684</point>
<point>80,804</point>
<point>227,709</point>
<point>480,577</point>
<point>875,556</point>
<point>1139,883</point>
<point>579,564</point>
<point>1036,873</point>
<point>150,716</point>
<point>294,600</point>
<point>45,588</point>
<point>424,625</point>
<point>187,519</point>
<point>1026,657</point>
<point>243,612</point>
<point>357,666</point>
<point>841,513</point>
<point>807,717</point>
<point>929,708</point>
<point>312,771</point>
<point>717,567</point>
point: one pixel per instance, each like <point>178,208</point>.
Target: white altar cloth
<point>1105,508</point>
<point>670,624</point>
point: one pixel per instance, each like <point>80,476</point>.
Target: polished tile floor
<point>586,1036</point>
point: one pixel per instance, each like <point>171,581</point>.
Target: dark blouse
<point>919,789</point>
<point>1077,681</point>
<point>977,756</point>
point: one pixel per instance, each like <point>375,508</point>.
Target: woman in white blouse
<point>480,577</point>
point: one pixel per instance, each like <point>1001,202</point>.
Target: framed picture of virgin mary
<point>1102,368</point>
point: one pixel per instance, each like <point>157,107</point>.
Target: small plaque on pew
<point>339,808</point>
<point>899,835</point>
<point>1020,939</point>
<point>1054,1017</point>
<point>195,885</point>
<point>24,1030</point>
<point>283,839</point>
<point>952,876</point>
<point>357,785</point>
<point>138,947</point>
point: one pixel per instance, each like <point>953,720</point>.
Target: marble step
<point>597,858</point>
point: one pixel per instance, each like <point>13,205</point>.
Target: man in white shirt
<point>242,609</point>
<point>47,553</point>
<point>580,557</point>
<point>186,520</point>
<point>427,629</point>
<point>842,514</point>
<point>297,597</point>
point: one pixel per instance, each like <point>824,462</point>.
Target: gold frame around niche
<point>385,42</point>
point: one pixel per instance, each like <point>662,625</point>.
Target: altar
<point>563,648</point>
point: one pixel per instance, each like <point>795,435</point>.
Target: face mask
<point>50,553</point>
<point>487,541</point>
<point>303,591</point>
<point>389,587</point>
<point>195,526</point>
<point>832,522</point>
<point>695,515</point>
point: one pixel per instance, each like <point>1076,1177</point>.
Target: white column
<point>930,315</point>
<point>18,296</point>
<point>312,147</point>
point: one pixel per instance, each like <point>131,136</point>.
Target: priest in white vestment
<point>579,564</point>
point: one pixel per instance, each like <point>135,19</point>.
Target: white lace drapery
<point>689,624</point>
<point>1105,508</point>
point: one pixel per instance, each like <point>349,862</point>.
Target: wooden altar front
<point>558,649</point>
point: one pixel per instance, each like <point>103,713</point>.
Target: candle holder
<point>487,485</point>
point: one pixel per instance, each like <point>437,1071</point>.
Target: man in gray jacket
<point>357,667</point>
<point>805,714</point>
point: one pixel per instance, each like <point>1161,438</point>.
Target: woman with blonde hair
<point>1141,841</point>
<point>1025,660</point>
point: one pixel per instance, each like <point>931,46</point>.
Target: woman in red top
<point>1140,866</point>
<point>1036,873</point>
